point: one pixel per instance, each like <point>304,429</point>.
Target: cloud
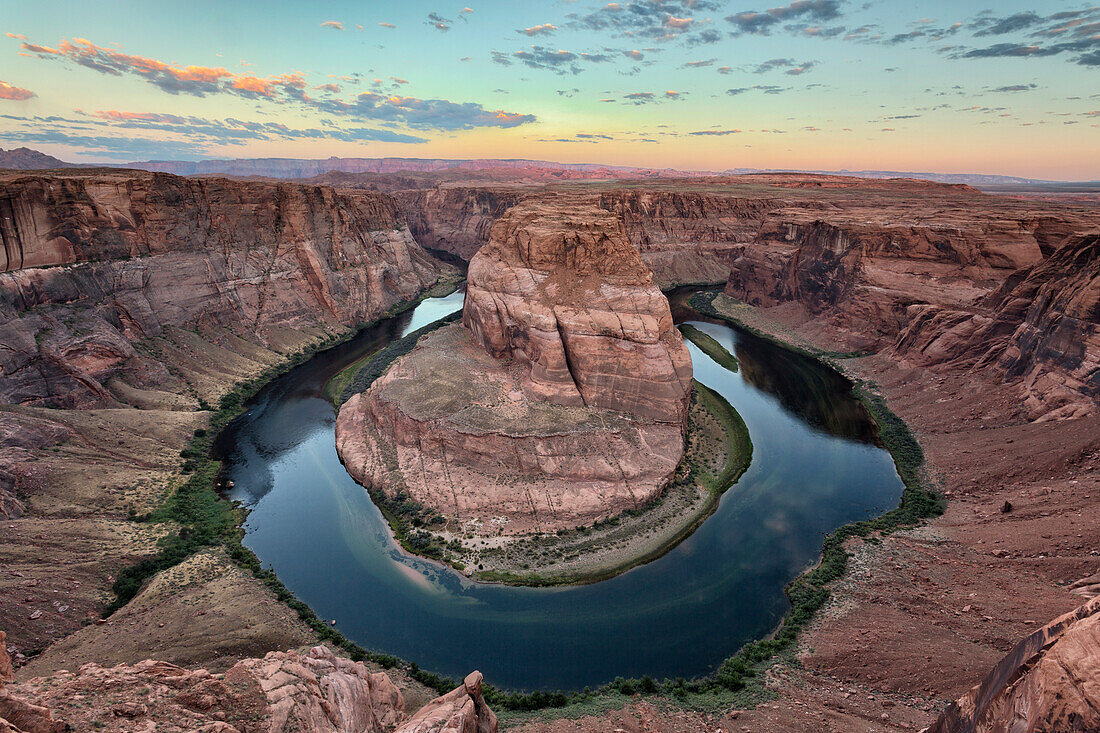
<point>387,25</point>
<point>715,132</point>
<point>129,135</point>
<point>10,91</point>
<point>538,30</point>
<point>661,20</point>
<point>761,23</point>
<point>1015,88</point>
<point>634,54</point>
<point>334,24</point>
<point>439,114</point>
<point>438,22</point>
<point>999,26</point>
<point>558,60</point>
<point>765,88</point>
<point>649,97</point>
<point>699,64</point>
<point>790,66</point>
<point>196,80</point>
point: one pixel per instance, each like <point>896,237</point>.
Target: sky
<point>958,87</point>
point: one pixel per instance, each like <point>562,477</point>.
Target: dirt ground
<point>922,616</point>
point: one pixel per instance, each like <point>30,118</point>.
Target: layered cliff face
<point>559,401</point>
<point>687,237</point>
<point>1049,682</point>
<point>284,691</point>
<point>455,220</point>
<point>1041,327</point>
<point>560,289</point>
<point>101,265</point>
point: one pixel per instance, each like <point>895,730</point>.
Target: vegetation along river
<point>815,467</point>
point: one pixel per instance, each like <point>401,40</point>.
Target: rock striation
<point>456,219</point>
<point>560,400</point>
<point>95,264</point>
<point>687,237</point>
<point>1040,327</point>
<point>1049,682</point>
<point>282,692</point>
<point>560,290</point>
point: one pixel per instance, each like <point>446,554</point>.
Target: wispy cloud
<point>200,81</point>
<point>334,24</point>
<point>10,91</point>
<point>544,29</point>
<point>762,23</point>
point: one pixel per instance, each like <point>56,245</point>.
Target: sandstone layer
<point>560,400</point>
<point>457,220</point>
<point>1042,327</point>
<point>285,691</point>
<point>1050,681</point>
<point>560,290</point>
<point>98,264</point>
<point>451,427</point>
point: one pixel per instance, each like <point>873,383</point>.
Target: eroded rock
<point>1049,682</point>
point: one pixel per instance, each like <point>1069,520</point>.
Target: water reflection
<point>812,471</point>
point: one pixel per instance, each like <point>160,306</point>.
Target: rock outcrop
<point>560,290</point>
<point>1049,682</point>
<point>100,263</point>
<point>285,691</point>
<point>1041,327</point>
<point>559,401</point>
<point>463,710</point>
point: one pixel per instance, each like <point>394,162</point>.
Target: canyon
<point>131,301</point>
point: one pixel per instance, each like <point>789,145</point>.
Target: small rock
<point>36,614</point>
<point>1006,507</point>
<point>129,710</point>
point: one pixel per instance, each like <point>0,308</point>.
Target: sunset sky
<point>1011,87</point>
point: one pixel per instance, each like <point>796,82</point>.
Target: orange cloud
<point>10,91</point>
<point>334,24</point>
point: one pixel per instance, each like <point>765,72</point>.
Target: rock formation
<point>1049,682</point>
<point>560,400</point>
<point>285,691</point>
<point>560,290</point>
<point>100,263</point>
<point>1042,326</point>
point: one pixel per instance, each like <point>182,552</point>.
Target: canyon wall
<point>1041,326</point>
<point>99,265</point>
<point>455,220</point>
<point>687,237</point>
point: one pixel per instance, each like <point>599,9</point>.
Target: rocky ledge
<point>559,401</point>
<point>285,691</point>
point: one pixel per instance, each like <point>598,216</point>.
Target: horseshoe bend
<point>794,451</point>
<point>560,399</point>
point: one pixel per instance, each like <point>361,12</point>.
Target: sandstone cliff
<point>285,691</point>
<point>559,401</point>
<point>1042,327</point>
<point>686,237</point>
<point>560,289</point>
<point>455,220</point>
<point>1049,682</point>
<point>100,264</point>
